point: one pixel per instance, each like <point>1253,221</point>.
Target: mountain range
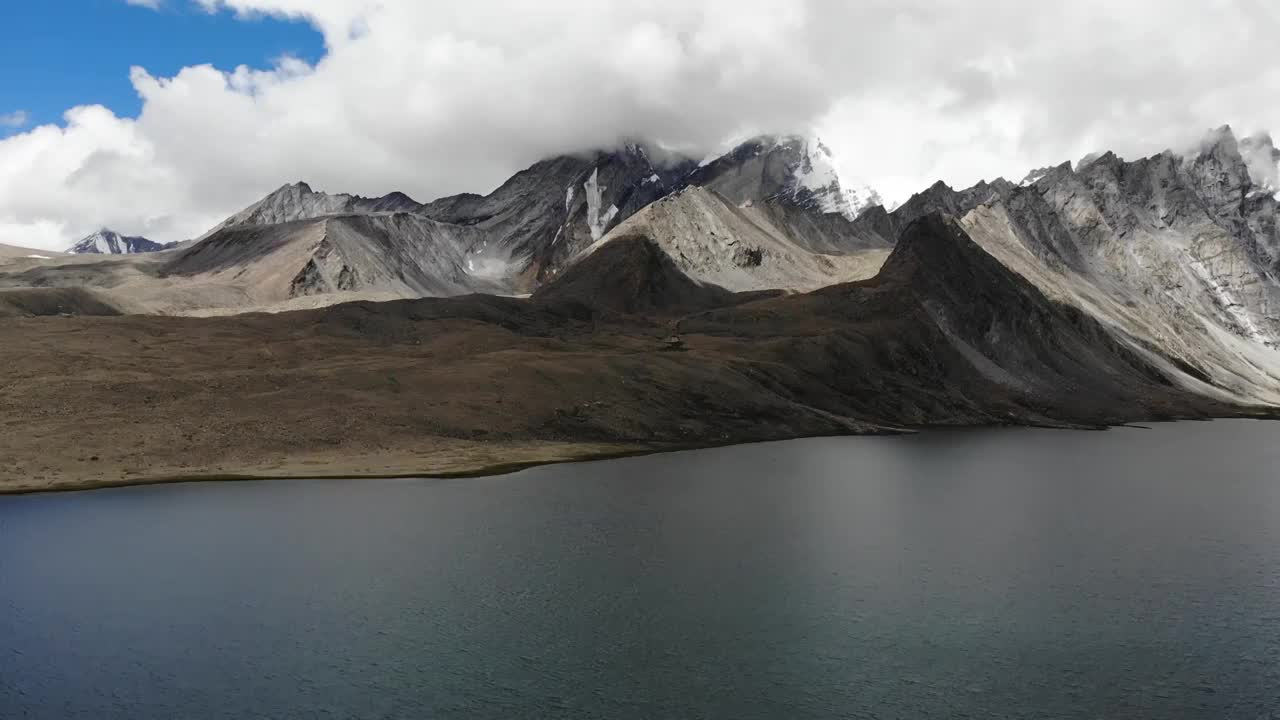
<point>633,299</point>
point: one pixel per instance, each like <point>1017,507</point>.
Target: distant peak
<point>1087,160</point>
<point>818,175</point>
<point>1218,140</point>
<point>299,186</point>
<point>1035,175</point>
<point>1101,159</point>
<point>106,241</point>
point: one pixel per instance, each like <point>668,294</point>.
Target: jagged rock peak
<point>109,242</point>
<point>298,201</point>
<point>1218,155</point>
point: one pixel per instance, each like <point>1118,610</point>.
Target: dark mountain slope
<point>947,334</point>
<point>630,276</point>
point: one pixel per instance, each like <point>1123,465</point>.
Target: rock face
<point>941,198</point>
<point>109,242</point>
<point>384,255</point>
<point>544,216</point>
<point>1177,250</point>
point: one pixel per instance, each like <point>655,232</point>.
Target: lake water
<point>982,574</point>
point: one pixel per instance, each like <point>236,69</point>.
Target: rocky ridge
<point>1177,250</point>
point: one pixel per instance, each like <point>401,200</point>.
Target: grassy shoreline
<point>559,454</point>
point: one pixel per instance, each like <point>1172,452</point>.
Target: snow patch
<point>598,222</point>
<point>1227,300</point>
<point>40,257</point>
<point>568,199</point>
<point>817,177</point>
<point>1034,176</point>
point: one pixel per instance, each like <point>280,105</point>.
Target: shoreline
<point>493,470</point>
<point>589,453</point>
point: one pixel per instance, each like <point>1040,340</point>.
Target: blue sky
<point>58,54</point>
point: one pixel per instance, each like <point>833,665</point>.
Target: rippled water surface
<point>985,574</point>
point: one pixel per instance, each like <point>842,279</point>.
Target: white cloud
<point>152,4</point>
<point>15,119</point>
<point>438,98</point>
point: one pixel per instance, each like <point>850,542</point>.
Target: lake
<point>1133,573</point>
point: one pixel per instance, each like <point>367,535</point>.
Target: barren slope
<point>13,252</point>
<point>743,248</point>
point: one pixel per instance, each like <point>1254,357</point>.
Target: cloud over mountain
<point>438,98</point>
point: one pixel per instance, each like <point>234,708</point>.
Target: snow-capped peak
<point>817,181</point>
<point>796,168</point>
<point>109,242</point>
